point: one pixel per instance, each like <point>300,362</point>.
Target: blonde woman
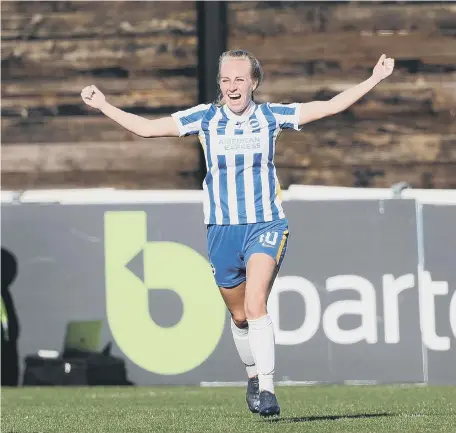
<point>247,230</point>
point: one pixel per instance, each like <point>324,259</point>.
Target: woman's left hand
<point>383,68</point>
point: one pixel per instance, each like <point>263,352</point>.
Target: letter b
<point>167,265</point>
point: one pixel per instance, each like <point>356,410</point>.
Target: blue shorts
<point>230,247</point>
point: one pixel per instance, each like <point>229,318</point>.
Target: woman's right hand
<point>93,97</point>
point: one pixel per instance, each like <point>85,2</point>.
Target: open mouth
<point>234,97</point>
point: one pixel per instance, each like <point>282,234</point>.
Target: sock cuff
<point>260,323</point>
<point>239,332</point>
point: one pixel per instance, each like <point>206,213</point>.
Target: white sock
<point>241,340</point>
<point>261,338</point>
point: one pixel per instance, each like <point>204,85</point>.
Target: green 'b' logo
<point>170,266</point>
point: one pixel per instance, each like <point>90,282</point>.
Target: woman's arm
<point>163,127</point>
<point>318,109</point>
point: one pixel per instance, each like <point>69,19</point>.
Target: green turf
<point>174,409</point>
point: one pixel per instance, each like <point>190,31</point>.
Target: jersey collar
<point>250,110</point>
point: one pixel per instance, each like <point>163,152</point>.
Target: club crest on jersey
<point>253,124</point>
<point>269,239</point>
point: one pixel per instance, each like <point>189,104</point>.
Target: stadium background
<point>145,56</point>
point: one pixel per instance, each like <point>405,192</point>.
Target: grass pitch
<point>365,409</point>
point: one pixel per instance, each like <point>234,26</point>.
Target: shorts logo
<point>213,269</point>
<point>269,239</point>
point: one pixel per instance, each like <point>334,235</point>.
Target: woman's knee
<point>239,319</point>
<point>255,308</point>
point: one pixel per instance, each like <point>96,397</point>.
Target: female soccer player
<point>246,227</point>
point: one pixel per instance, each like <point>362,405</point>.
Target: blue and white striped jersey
<point>241,184</point>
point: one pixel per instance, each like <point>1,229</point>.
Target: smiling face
<point>236,84</point>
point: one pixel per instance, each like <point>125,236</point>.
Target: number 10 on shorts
<point>269,239</point>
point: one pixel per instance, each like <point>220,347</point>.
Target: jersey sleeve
<point>189,121</point>
<point>287,115</point>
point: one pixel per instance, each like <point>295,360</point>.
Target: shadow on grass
<point>327,417</point>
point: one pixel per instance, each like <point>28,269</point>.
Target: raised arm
<point>163,127</point>
<point>315,110</point>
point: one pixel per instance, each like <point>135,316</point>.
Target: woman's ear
<point>255,85</point>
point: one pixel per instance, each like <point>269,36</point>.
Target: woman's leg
<point>261,272</point>
<point>234,299</point>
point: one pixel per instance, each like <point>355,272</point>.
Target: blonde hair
<point>255,68</point>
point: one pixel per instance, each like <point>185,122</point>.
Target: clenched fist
<point>383,68</point>
<point>93,97</point>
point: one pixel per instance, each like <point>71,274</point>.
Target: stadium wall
<point>366,293</point>
<point>143,55</point>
